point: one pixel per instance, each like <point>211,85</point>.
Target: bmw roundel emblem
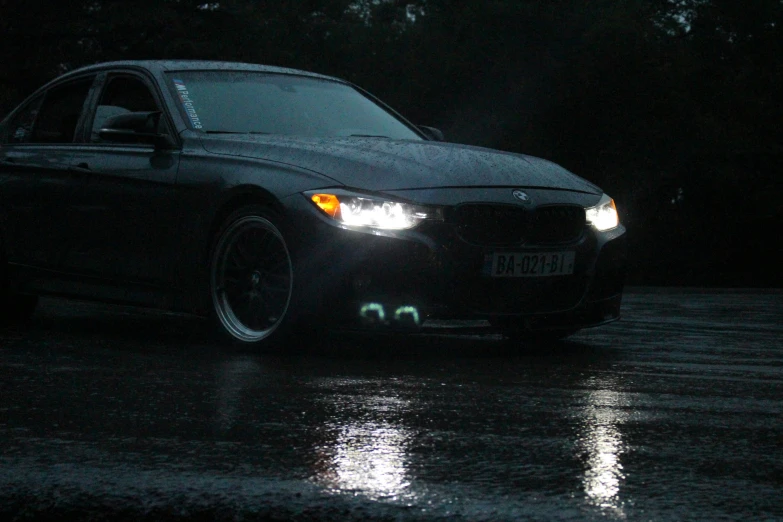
<point>521,196</point>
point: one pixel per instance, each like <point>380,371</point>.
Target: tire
<point>251,279</point>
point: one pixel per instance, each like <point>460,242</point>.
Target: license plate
<point>528,264</point>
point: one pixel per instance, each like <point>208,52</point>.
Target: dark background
<point>672,106</point>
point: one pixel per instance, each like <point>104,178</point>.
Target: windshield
<point>263,103</point>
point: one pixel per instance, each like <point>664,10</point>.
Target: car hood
<point>380,164</point>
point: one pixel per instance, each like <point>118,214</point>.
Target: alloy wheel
<point>251,279</point>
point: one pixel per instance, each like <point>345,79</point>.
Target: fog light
<point>375,313</point>
<point>372,313</point>
<point>408,315</point>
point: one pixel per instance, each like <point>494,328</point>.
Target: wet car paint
<point>379,164</point>
<point>672,414</point>
<point>137,224</point>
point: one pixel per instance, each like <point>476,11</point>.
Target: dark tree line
<point>673,106</point>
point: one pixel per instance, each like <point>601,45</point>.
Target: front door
<point>127,212</point>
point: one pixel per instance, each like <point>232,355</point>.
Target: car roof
<point>160,66</point>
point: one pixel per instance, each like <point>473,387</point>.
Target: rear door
<point>37,180</point>
<point>127,212</point>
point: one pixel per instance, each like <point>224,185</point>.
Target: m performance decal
<point>187,103</point>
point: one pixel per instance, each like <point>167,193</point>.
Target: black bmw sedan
<point>267,198</point>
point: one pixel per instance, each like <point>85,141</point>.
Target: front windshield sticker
<point>184,95</point>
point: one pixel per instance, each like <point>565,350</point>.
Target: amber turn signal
<point>328,203</point>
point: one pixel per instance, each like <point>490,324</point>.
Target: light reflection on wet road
<point>673,413</point>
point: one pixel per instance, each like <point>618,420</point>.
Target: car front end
<point>528,259</point>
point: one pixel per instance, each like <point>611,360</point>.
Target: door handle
<point>81,167</point>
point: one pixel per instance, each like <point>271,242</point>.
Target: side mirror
<point>432,133</point>
<point>135,127</point>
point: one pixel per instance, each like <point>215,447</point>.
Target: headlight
<point>603,216</point>
<point>369,211</point>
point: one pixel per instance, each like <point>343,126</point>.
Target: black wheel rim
<point>252,278</point>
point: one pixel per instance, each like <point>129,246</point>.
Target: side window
<point>122,95</point>
<point>20,129</point>
<point>59,114</point>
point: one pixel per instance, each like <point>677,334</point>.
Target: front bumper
<point>383,277</point>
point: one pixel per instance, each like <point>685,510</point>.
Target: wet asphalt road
<point>672,414</point>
